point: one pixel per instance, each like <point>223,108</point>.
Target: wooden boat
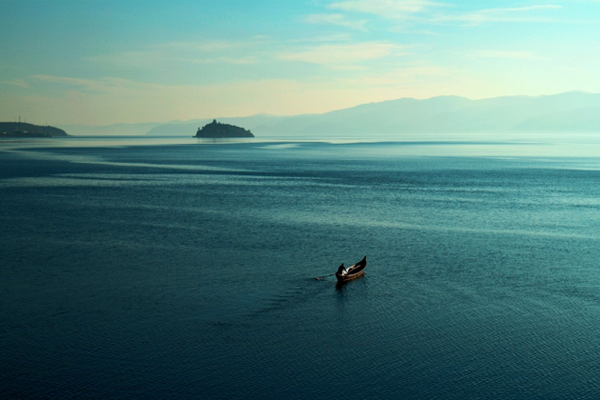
<point>355,271</point>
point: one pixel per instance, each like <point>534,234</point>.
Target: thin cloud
<point>514,14</point>
<point>205,46</point>
<point>101,85</point>
<point>17,82</point>
<point>213,46</point>
<point>320,39</point>
<point>336,19</point>
<point>391,9</point>
<point>250,60</point>
<point>515,55</point>
<point>411,75</point>
<point>200,52</point>
<point>344,53</point>
<point>436,12</point>
<point>66,80</point>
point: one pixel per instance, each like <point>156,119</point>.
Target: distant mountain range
<point>111,130</point>
<point>573,111</point>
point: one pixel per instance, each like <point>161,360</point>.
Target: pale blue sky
<point>103,62</point>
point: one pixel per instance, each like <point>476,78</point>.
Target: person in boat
<point>341,270</point>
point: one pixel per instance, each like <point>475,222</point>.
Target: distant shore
<point>25,130</point>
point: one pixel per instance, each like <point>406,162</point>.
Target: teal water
<point>186,271</point>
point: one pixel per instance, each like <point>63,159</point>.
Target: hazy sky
<point>103,62</point>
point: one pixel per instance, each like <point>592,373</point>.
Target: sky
<point>128,61</point>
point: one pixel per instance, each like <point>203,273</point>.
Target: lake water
<point>139,269</point>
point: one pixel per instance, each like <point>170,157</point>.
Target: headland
<point>25,130</point>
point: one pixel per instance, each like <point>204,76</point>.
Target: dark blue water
<point>187,272</point>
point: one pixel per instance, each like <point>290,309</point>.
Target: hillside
<point>23,129</point>
<point>219,130</point>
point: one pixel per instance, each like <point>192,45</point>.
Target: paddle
<point>320,278</point>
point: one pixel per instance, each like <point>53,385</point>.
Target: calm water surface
<point>186,271</point>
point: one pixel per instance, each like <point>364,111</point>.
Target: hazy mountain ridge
<point>111,130</point>
<point>572,111</point>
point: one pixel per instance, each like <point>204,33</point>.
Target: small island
<point>25,130</point>
<point>218,130</point>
